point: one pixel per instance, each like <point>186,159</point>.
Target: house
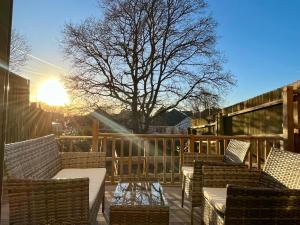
<point>171,122</point>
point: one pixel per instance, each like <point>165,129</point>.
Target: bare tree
<point>145,55</point>
<point>19,50</point>
<point>206,100</point>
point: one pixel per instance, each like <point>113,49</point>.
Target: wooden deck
<point>178,215</point>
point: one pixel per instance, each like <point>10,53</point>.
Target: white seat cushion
<point>216,197</point>
<point>188,171</point>
<point>95,175</point>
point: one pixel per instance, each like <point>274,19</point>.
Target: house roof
<point>169,118</point>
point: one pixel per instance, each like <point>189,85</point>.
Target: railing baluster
<point>250,156</point>
<point>139,146</point>
<point>218,151</point>
<point>258,155</point>
<point>172,159</point>
<point>129,157</point>
<point>181,141</point>
<point>71,146</point>
<point>200,146</point>
<point>113,161</point>
<point>155,157</point>
<point>121,157</point>
<point>164,160</point>
<point>224,145</point>
<point>104,144</point>
<point>146,157</point>
<point>265,150</point>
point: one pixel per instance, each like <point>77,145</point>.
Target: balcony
<point>160,157</point>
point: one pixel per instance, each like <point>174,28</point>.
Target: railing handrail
<point>160,136</point>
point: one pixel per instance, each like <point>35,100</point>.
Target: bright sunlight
<point>53,93</point>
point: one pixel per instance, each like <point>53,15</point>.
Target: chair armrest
<point>83,159</point>
<point>220,176</point>
<point>247,205</point>
<point>267,180</point>
<point>50,201</point>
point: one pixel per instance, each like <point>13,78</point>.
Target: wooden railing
<point>161,156</point>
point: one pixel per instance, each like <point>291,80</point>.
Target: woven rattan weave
<point>268,197</point>
<point>35,198</point>
<point>234,156</point>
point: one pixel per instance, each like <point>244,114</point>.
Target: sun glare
<point>53,93</point>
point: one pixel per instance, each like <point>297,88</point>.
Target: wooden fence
<point>273,113</point>
<point>161,156</point>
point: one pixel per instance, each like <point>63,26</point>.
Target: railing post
<point>288,120</point>
<point>191,143</point>
<point>297,125</point>
<point>95,135</point>
<point>208,146</point>
<point>220,125</point>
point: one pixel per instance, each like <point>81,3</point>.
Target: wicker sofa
<point>232,196</point>
<point>49,187</point>
<point>234,155</point>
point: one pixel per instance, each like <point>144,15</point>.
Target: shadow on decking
<point>178,215</point>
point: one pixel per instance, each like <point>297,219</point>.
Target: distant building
<point>18,108</point>
<point>171,122</point>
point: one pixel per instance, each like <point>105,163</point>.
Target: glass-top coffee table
<point>139,203</point>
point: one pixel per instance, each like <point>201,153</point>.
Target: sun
<point>53,93</point>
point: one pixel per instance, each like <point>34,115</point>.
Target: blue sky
<point>260,39</point>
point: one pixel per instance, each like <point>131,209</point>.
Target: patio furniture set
<point>46,186</point>
<point>228,193</point>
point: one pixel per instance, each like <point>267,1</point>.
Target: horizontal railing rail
<point>160,156</point>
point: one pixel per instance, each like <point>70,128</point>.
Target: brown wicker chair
<point>49,187</point>
<point>232,196</point>
<point>235,155</point>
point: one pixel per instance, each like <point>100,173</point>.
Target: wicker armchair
<point>232,196</point>
<point>49,187</point>
<point>234,156</point>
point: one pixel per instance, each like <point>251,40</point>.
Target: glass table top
<point>139,194</point>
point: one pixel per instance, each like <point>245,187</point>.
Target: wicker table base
<point>139,203</point>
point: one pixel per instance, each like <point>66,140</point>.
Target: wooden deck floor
<point>178,215</point>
